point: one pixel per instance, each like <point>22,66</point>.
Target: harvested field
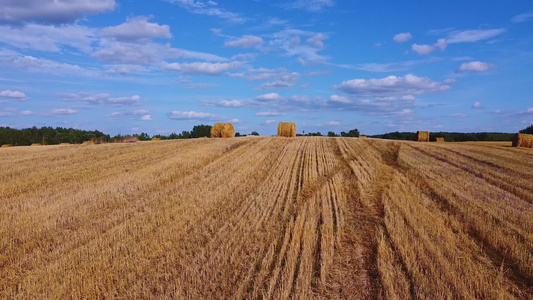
<point>267,218</point>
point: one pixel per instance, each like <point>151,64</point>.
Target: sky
<point>163,66</point>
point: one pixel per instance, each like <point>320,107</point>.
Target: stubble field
<point>267,218</point>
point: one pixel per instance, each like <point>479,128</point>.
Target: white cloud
<point>146,117</point>
<point>280,77</point>
<point>317,41</point>
<point>151,53</point>
<point>26,113</point>
<point>477,105</point>
<point>530,110</point>
<point>136,30</point>
<point>402,37</point>
<point>422,49</point>
<point>522,17</point>
<point>94,98</point>
<point>30,63</point>
<point>49,37</point>
<point>441,44</point>
<point>458,115</point>
<point>339,99</point>
<point>310,5</point>
<point>235,121</point>
<point>14,95</point>
<point>5,114</point>
<point>192,115</point>
<point>408,98</point>
<point>270,113</point>
<point>209,8</point>
<point>392,85</point>
<point>475,66</point>
<point>268,122</point>
<point>470,36</point>
<point>334,123</point>
<point>226,103</point>
<point>63,111</point>
<point>246,41</point>
<point>203,68</point>
<point>51,11</point>
<point>270,97</point>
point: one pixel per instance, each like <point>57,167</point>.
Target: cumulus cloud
<point>270,113</point>
<point>13,95</point>
<point>268,122</point>
<point>26,113</point>
<point>142,114</point>
<point>63,111</point>
<point>339,99</point>
<point>402,37</point>
<point>280,77</point>
<point>422,49</point>
<point>151,53</point>
<point>203,68</point>
<point>49,37</point>
<point>209,8</point>
<point>333,123</point>
<point>471,36</point>
<point>317,41</point>
<point>226,103</point>
<point>95,98</point>
<point>136,30</point>
<point>51,11</point>
<point>246,41</point>
<point>289,41</point>
<point>458,115</point>
<point>190,115</point>
<point>475,66</point>
<point>310,5</point>
<point>477,105</point>
<point>270,97</point>
<point>392,85</point>
<point>30,63</point>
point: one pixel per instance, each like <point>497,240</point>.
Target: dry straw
<point>362,137</point>
<point>523,140</point>
<point>440,140</point>
<point>88,143</point>
<point>64,144</point>
<point>287,129</point>
<point>222,130</point>
<point>422,136</point>
<point>6,146</point>
<point>36,144</point>
<point>156,139</point>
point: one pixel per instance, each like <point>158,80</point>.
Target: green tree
<point>254,133</point>
<point>332,134</point>
<point>528,130</point>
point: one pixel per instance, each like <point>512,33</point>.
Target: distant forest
<point>54,136</point>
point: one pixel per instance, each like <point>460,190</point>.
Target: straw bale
<point>6,146</point>
<point>523,140</point>
<point>88,143</point>
<point>156,139</point>
<point>287,129</point>
<point>222,130</point>
<point>440,140</point>
<point>422,136</point>
<point>362,137</point>
<point>36,144</point>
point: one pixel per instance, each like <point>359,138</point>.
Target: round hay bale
<point>222,130</point>
<point>287,129</point>
<point>362,137</point>
<point>440,140</point>
<point>422,136</point>
<point>6,146</point>
<point>88,143</point>
<point>36,144</point>
<point>156,139</point>
<point>64,144</point>
<point>228,131</point>
<point>523,140</point>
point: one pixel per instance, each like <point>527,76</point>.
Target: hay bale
<point>422,136</point>
<point>222,130</point>
<point>64,144</point>
<point>88,143</point>
<point>6,146</point>
<point>362,137</point>
<point>36,144</point>
<point>156,139</point>
<point>287,129</point>
<point>440,140</point>
<point>523,140</point>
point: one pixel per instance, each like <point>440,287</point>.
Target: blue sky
<point>163,66</point>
